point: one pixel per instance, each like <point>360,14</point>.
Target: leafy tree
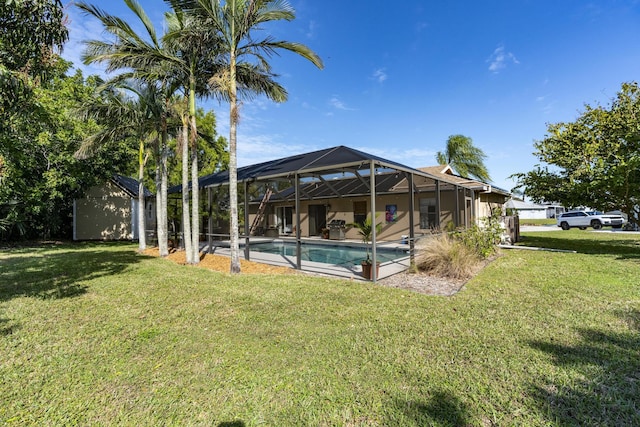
<point>212,149</point>
<point>464,158</point>
<point>30,32</point>
<point>236,23</point>
<point>41,175</point>
<point>593,161</point>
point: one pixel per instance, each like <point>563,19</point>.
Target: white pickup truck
<point>584,219</point>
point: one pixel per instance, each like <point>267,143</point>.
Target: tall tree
<point>593,161</point>
<point>237,22</point>
<point>128,112</point>
<point>141,57</point>
<point>194,50</point>
<point>30,33</point>
<point>41,175</point>
<point>466,159</point>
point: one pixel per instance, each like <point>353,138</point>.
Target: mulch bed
<point>417,282</point>
<point>222,263</point>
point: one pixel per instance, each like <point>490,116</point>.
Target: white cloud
<point>500,58</point>
<point>412,157</point>
<point>336,103</point>
<point>311,31</point>
<point>81,29</point>
<point>254,149</point>
<point>380,75</point>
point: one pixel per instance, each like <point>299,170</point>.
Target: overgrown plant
<point>457,253</point>
<point>445,256</point>
<point>483,238</point>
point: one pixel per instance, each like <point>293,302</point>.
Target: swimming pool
<point>328,254</point>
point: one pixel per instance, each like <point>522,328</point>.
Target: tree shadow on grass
<point>57,272</point>
<point>6,328</point>
<point>608,389</point>
<point>623,247</point>
<point>443,409</point>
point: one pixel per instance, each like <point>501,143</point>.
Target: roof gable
<point>438,170</point>
<point>129,185</point>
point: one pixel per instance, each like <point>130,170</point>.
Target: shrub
<point>444,256</point>
<point>484,238</point>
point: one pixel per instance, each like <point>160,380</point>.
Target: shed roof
<point>129,185</point>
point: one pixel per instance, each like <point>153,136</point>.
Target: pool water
<point>328,254</point>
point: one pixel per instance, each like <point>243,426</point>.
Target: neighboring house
<point>110,211</point>
<point>335,184</point>
<point>553,211</point>
<point>527,210</point>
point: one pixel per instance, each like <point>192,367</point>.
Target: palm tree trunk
<point>233,169</point>
<point>195,188</point>
<point>186,220</point>
<point>158,196</point>
<point>142,241</point>
<point>161,216</point>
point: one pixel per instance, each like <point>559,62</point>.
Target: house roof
<point>519,204</point>
<point>129,185</point>
<point>438,170</point>
<point>444,174</point>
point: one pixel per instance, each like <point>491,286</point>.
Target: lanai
<point>319,166</point>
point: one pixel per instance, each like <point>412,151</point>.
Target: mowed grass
<point>94,334</point>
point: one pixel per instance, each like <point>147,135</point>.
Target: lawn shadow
<point>8,329</point>
<point>624,247</point>
<point>236,423</point>
<point>56,272</point>
<point>443,409</point>
<point>608,392</point>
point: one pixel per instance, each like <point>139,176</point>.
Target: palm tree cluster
<point>210,49</point>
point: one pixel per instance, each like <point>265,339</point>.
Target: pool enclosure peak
<point>328,161</point>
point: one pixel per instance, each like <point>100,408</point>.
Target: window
<point>428,213</point>
<point>359,212</point>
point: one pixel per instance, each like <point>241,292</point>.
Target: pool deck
<point>352,272</point>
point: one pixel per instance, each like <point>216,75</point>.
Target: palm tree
<point>147,59</point>
<point>236,23</point>
<point>464,158</point>
<point>193,51</point>
<point>122,117</point>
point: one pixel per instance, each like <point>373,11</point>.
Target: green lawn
<point>94,334</point>
<point>547,221</point>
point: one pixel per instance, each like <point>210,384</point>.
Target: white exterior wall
<point>532,213</point>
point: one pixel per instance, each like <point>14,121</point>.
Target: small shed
<point>527,210</point>
<point>110,211</point>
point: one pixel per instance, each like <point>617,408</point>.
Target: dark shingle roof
<point>130,185</point>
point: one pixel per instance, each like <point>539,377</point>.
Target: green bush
<point>484,238</point>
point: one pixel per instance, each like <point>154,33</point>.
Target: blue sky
<point>400,77</point>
